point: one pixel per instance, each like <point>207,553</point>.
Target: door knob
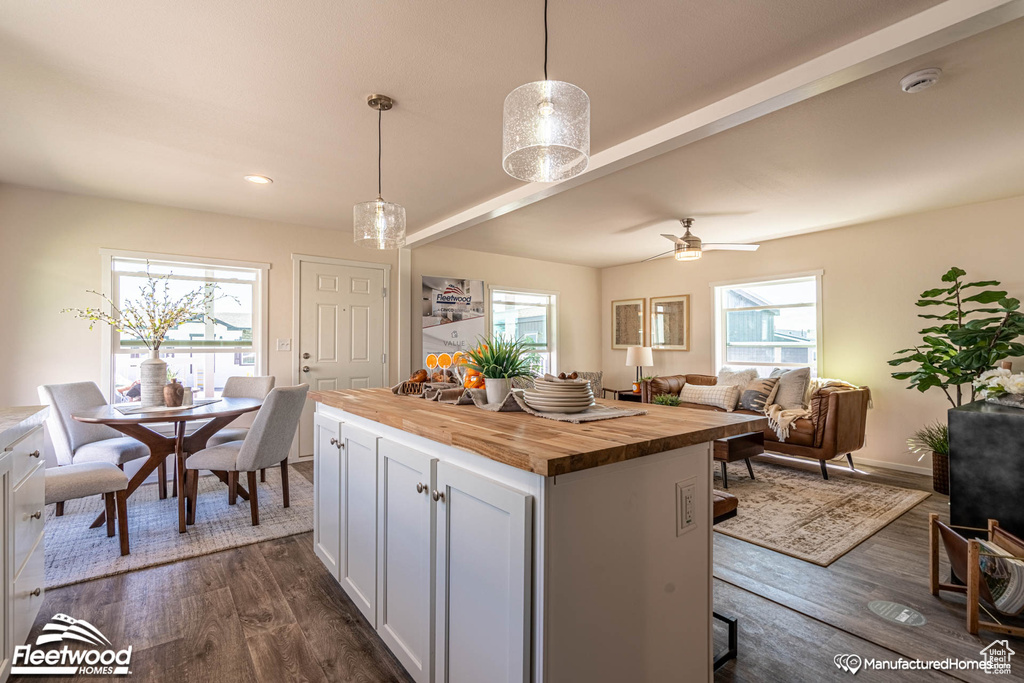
<point>420,488</point>
<point>305,356</point>
<point>36,592</point>
<point>437,495</point>
<point>305,368</point>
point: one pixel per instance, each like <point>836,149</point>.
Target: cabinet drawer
<point>28,501</point>
<point>26,603</point>
<point>28,452</point>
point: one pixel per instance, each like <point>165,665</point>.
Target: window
<point>769,324</point>
<point>201,353</point>
<point>530,316</point>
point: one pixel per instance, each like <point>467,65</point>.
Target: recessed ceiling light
<point>920,80</point>
<point>259,179</point>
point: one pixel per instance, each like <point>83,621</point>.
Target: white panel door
<point>358,567</point>
<point>404,559</point>
<point>483,579</point>
<point>341,332</point>
<point>327,492</point>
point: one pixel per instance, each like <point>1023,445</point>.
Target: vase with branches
<point>149,317</point>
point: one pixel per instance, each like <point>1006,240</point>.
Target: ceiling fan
<point>690,248</point>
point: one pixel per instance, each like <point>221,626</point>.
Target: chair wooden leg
<point>122,520</point>
<point>263,475</point>
<point>191,490</point>
<point>108,499</point>
<point>933,553</point>
<point>824,470</point>
<point>284,480</point>
<point>232,488</point>
<point>161,473</point>
<point>60,509</point>
<point>253,502</point>
<point>973,585</point>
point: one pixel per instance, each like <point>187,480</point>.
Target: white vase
<point>497,389</point>
<point>153,377</point>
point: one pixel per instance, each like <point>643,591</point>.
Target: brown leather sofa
<point>836,425</point>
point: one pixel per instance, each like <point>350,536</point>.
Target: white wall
<point>873,274</point>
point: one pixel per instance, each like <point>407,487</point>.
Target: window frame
<point>260,325</point>
<point>718,331</point>
<point>552,318</point>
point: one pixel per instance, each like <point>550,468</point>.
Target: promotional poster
<point>453,315</point>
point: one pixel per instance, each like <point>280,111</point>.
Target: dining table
<point>136,423</point>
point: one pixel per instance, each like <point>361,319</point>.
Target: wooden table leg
<point>179,454</point>
<point>159,448</point>
<point>240,490</point>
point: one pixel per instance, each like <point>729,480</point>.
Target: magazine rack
<point>965,559</point>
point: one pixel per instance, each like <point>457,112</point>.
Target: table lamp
<point>640,357</point>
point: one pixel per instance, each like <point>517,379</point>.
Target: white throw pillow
<point>740,378</point>
<point>721,396</point>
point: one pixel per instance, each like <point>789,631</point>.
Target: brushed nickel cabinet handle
<point>36,593</point>
<point>38,514</point>
<point>34,454</point>
<point>305,368</point>
<point>420,488</point>
<point>334,442</point>
<point>438,495</point>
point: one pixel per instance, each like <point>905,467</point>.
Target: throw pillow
<point>792,388</point>
<point>719,396</point>
<point>759,394</point>
<point>740,378</point>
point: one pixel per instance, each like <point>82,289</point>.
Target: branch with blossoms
<point>154,313</point>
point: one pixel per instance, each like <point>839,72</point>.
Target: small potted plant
<point>499,359</point>
<point>667,400</point>
<point>934,439</point>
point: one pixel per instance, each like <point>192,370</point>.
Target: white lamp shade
<point>639,356</point>
<point>379,225</point>
<point>546,132</point>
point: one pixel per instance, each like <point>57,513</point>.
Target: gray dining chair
<point>77,442</point>
<point>242,387</point>
<point>266,444</point>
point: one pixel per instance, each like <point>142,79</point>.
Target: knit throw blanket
<point>780,420</point>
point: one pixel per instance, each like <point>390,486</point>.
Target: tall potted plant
<point>499,359</point>
<point>148,318</point>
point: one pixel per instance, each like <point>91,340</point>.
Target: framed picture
<point>628,317</point>
<point>670,323</point>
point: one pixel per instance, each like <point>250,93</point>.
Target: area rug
<point>76,553</point>
<point>796,512</point>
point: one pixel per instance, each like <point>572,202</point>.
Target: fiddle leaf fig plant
<point>974,328</point>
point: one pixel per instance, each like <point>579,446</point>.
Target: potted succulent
<point>499,359</point>
<point>934,439</point>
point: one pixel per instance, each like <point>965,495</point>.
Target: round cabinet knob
<point>306,356</point>
<point>437,495</point>
<point>38,514</point>
<point>334,442</point>
<point>34,454</point>
<point>305,368</point>
<point>36,593</point>
<point>420,488</point>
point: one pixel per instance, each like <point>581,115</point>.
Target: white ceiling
<point>861,152</point>
<point>172,102</point>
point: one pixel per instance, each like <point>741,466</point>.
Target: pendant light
<point>379,224</point>
<point>546,128</point>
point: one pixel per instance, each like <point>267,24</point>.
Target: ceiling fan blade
<point>672,238</point>
<point>664,253</point>
<point>724,246</point>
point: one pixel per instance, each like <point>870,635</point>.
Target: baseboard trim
<point>916,469</point>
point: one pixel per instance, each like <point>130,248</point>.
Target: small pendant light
<point>546,128</point>
<point>379,224</point>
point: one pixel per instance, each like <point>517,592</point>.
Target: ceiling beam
<point>937,27</point>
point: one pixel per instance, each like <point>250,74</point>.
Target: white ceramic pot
<point>153,377</point>
<point>497,389</point>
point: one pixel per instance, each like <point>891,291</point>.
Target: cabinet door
<point>404,559</point>
<point>358,566</point>
<point>7,569</point>
<point>327,491</point>
<point>483,579</point>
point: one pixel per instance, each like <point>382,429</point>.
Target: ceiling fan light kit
<point>689,247</point>
<point>379,224</point>
<point>546,128</point>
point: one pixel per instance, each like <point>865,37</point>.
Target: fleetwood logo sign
<point>98,658</point>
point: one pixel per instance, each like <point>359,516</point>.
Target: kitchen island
<point>505,547</point>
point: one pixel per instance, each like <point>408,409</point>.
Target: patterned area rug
<point>796,512</point>
<point>76,553</point>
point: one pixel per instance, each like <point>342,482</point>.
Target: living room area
<point>800,217</point>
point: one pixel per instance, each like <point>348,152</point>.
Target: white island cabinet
<point>504,548</point>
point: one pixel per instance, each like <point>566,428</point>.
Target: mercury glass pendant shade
<point>546,131</point>
<point>379,224</point>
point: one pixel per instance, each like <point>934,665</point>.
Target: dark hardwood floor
<point>270,612</point>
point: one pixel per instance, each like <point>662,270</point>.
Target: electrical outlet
<point>284,344</point>
<point>686,505</point>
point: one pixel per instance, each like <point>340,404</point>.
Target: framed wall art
<point>628,316</point>
<point>670,323</point>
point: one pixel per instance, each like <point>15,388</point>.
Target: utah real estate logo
<point>99,658</point>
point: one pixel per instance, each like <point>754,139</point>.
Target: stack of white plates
<point>560,395</point>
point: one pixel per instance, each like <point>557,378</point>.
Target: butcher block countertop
<point>546,447</point>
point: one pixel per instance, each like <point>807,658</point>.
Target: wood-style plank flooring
<point>270,612</point>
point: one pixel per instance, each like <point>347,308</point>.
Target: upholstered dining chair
<point>77,442</point>
<point>242,387</point>
<point>266,444</point>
